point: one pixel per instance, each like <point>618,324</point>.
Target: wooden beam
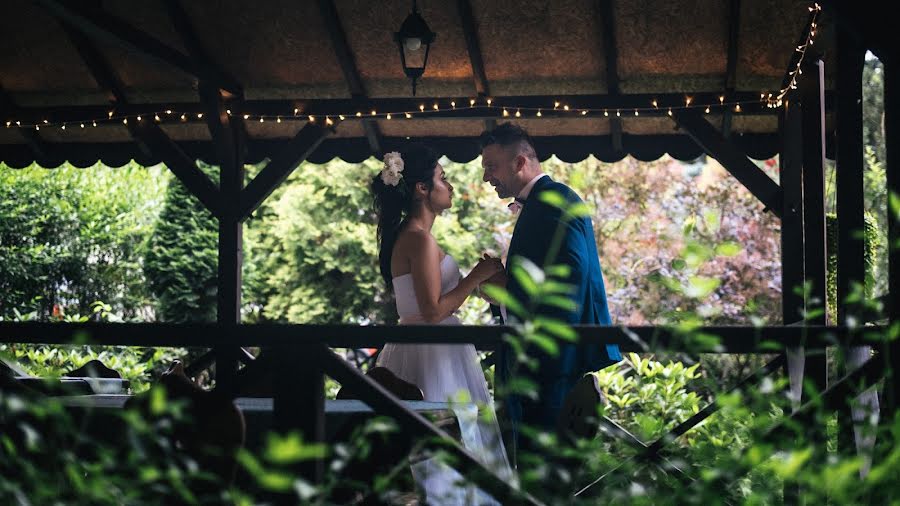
<point>299,401</point>
<point>796,55</point>
<point>850,168</point>
<point>611,53</point>
<point>385,403</point>
<point>730,338</point>
<point>473,47</point>
<point>32,138</point>
<point>348,107</point>
<point>348,67</point>
<point>812,93</point>
<point>98,23</point>
<point>184,168</point>
<point>892,146</point>
<point>731,158</point>
<point>100,70</point>
<point>734,29</point>
<point>280,167</point>
<point>793,304</point>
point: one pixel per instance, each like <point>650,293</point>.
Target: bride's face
<point>441,190</point>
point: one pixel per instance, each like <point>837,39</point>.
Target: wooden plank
<point>252,404</point>
<point>731,158</point>
<point>97,23</point>
<point>280,167</point>
<point>732,339</point>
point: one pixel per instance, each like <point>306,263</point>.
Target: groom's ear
<point>521,161</point>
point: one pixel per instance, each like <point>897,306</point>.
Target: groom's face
<point>499,163</point>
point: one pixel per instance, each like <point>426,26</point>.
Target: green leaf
<point>728,249</point>
<point>544,342</point>
<point>701,286</point>
<point>525,281</point>
<point>502,297</point>
<point>560,302</point>
<point>553,198</point>
<point>556,327</point>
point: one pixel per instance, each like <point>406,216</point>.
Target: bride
<point>410,192</point>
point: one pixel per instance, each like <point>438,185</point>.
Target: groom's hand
<point>498,280</point>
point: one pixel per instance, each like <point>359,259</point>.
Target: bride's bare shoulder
<point>415,239</point>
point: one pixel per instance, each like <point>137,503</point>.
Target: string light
<point>63,126</point>
<point>538,113</point>
<point>156,117</point>
<point>278,119</point>
<point>296,111</point>
<point>566,107</point>
<point>82,125</point>
<point>655,105</point>
<point>93,123</point>
<point>373,113</point>
<point>636,113</point>
<point>228,111</point>
<point>168,111</point>
<point>435,107</point>
<point>312,119</point>
<point>471,102</point>
<point>340,116</point>
<point>737,108</point>
<point>8,123</point>
<point>722,99</point>
<point>246,116</point>
<point>670,111</point>
<point>422,107</point>
<point>489,102</point>
<point>261,120</point>
<point>46,122</point>
<point>618,114</point>
<point>184,117</point>
<point>125,121</point>
<point>328,121</point>
<point>138,118</point>
<point>388,115</point>
<point>555,105</point>
<point>408,115</point>
<point>518,114</point>
<point>505,113</point>
<point>605,113</point>
<point>687,101</point>
<point>815,10</point>
<point>707,109</point>
<point>453,104</point>
<point>37,127</point>
<point>358,114</point>
<point>583,112</point>
<point>199,115</point>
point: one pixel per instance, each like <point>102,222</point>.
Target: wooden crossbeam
<point>731,158</point>
<point>734,29</point>
<point>348,107</point>
<point>96,63</point>
<point>32,138</point>
<point>732,339</point>
<point>385,403</point>
<point>184,168</point>
<point>348,67</point>
<point>280,167</point>
<point>473,47</point>
<point>98,23</point>
<point>611,54</point>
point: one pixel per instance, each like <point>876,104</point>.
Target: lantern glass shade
<point>414,41</point>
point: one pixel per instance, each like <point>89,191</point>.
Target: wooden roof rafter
<point>473,47</point>
<point>34,141</point>
<point>150,137</point>
<point>97,23</point>
<point>348,67</point>
<point>610,51</point>
<point>734,28</point>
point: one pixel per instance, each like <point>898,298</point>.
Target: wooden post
<point>793,304</point>
<point>892,144</point>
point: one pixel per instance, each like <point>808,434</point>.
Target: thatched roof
<point>283,55</point>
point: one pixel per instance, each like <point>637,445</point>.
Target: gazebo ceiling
<point>314,55</point>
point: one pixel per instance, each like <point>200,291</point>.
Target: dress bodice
<point>404,292</point>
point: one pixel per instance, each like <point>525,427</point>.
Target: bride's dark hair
<point>393,203</point>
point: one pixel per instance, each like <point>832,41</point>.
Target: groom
<point>511,166</point>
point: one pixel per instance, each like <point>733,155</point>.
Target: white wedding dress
<point>448,372</point>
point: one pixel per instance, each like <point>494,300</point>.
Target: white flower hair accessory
<point>393,166</point>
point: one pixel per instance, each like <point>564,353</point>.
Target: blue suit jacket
<point>555,375</point>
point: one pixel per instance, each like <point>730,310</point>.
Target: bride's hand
<point>486,268</point>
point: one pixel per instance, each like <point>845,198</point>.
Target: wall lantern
<point>414,40</point>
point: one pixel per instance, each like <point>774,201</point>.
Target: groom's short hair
<point>508,134</point>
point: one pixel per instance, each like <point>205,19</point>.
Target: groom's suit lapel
<point>521,231</point>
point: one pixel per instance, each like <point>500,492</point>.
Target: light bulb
<point>413,43</point>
